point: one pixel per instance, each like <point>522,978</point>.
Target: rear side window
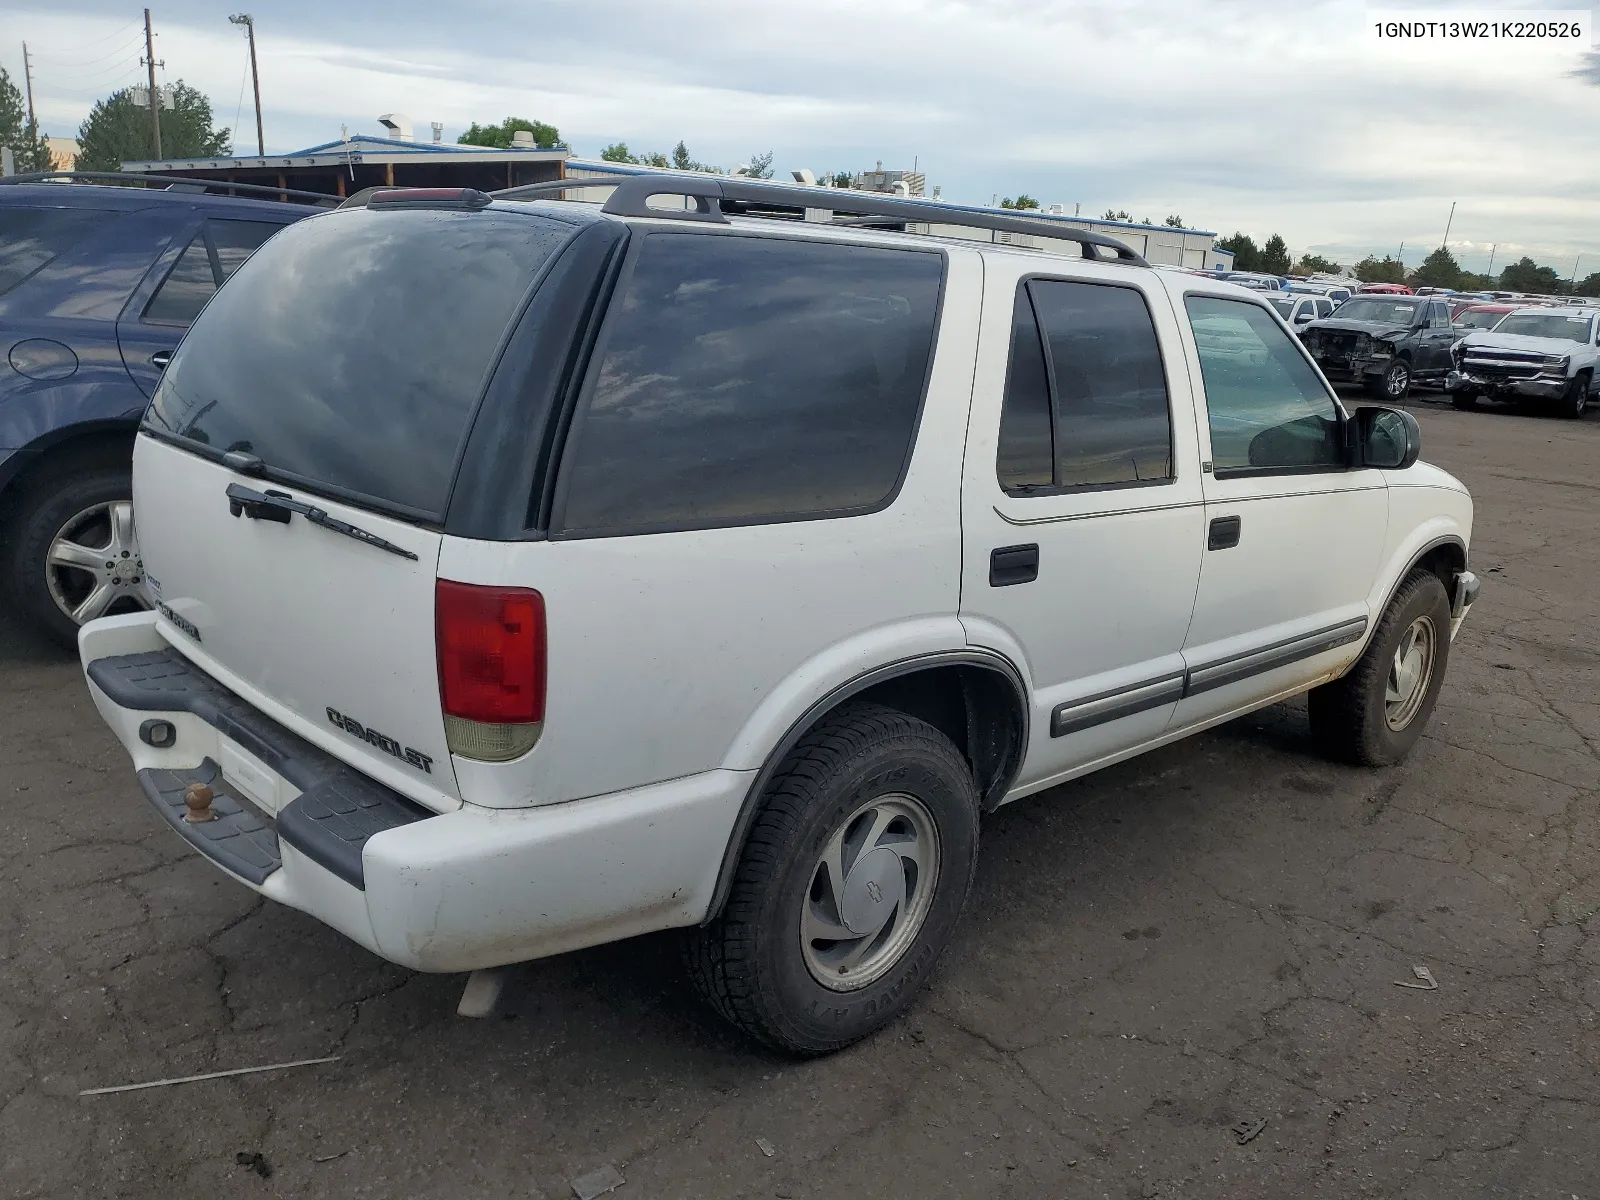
<point>205,264</point>
<point>744,380</point>
<point>350,351</point>
<point>31,237</point>
<point>1086,395</point>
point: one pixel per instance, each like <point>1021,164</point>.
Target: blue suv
<point>97,286</point>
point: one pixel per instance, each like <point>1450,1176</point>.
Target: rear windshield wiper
<point>277,506</point>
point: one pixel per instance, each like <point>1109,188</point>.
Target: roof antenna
<point>344,134</point>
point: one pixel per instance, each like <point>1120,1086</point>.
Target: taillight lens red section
<point>491,644</point>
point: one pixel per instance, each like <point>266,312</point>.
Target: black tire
<point>1465,401</point>
<point>1574,401</point>
<point>1349,720</point>
<point>1394,385</point>
<point>44,506</point>
<point>749,962</point>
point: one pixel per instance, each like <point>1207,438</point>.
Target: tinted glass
<point>1324,307</point>
<point>1438,315</point>
<point>352,348</point>
<point>1267,407</point>
<point>748,379</point>
<point>1284,305</point>
<point>31,237</point>
<point>1477,318</point>
<point>203,267</point>
<point>1026,457</point>
<point>1546,325</point>
<point>1110,390</point>
<point>1399,313</point>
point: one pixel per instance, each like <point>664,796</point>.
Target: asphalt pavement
<point>1203,940</point>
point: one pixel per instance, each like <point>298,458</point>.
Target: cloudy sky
<point>1260,115</point>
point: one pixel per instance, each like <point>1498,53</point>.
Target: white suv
<point>533,574</point>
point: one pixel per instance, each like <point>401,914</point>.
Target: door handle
<point>1223,534</point>
<point>160,359</point>
<point>1013,564</point>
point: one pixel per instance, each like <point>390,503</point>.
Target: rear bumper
<point>435,892</point>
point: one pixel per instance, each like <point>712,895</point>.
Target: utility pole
<point>249,24</point>
<point>1447,224</point>
<point>155,96</point>
<point>27,76</point>
<point>1574,280</point>
<point>1490,271</point>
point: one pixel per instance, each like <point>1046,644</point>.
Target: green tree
<point>1589,285</point>
<point>26,142</point>
<point>1116,214</point>
<point>546,137</point>
<point>1174,222</point>
<point>1246,254</point>
<point>1525,275</point>
<point>618,152</point>
<point>1022,201</point>
<point>1439,269</point>
<point>682,160</point>
<point>1385,270</point>
<point>1275,256</point>
<point>117,130</point>
<point>1315,264</point>
<point>759,166</point>
<point>842,179</point>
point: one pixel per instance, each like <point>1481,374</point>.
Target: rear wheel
<point>1464,400</point>
<point>74,553</point>
<point>1377,711</point>
<point>850,884</point>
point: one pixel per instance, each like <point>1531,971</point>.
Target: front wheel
<point>851,882</point>
<point>1377,711</point>
<point>1465,401</point>
<point>1395,382</point>
<point>1574,401</point>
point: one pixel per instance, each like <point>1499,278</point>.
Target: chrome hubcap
<point>93,564</point>
<point>1410,673</point>
<point>870,892</point>
<point>1399,376</point>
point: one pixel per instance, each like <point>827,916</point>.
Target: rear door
<point>339,369</point>
<point>159,312</point>
<point>1082,506</point>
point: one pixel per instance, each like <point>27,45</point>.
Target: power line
<point>127,48</point>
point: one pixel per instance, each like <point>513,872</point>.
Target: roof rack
<point>717,197</point>
<point>175,183</point>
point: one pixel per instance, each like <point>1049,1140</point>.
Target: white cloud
<point>1236,114</point>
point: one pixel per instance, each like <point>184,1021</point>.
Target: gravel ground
<point>1205,936</point>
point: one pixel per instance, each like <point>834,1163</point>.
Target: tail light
<point>491,646</point>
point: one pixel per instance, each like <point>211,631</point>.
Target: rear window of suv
<point>31,237</point>
<point>745,380</point>
<point>350,350</point>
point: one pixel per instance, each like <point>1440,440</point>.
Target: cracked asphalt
<point>1209,935</point>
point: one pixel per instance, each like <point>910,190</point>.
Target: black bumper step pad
<point>337,810</point>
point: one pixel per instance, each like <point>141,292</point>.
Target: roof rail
<point>716,197</point>
<point>175,183</point>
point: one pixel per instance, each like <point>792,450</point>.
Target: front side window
<point>746,380</point>
<point>1438,315</point>
<point>1086,396</point>
<point>1268,409</point>
<point>205,264</point>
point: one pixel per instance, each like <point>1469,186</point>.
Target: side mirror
<point>1302,318</point>
<point>1386,438</point>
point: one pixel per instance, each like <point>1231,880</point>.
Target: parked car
<point>1479,316</point>
<point>97,286</point>
<point>1533,354</point>
<point>1383,289</point>
<point>1298,309</point>
<point>1336,292</point>
<point>1385,343</point>
<point>717,572</point>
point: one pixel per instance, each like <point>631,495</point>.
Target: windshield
<point>1378,309</point>
<point>351,349</point>
<point>1546,325</point>
<point>1479,318</point>
<point>1284,306</point>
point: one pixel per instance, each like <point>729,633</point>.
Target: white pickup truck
<point>1545,355</point>
<point>533,574</point>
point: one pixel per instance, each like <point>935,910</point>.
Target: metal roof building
<point>360,161</point>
